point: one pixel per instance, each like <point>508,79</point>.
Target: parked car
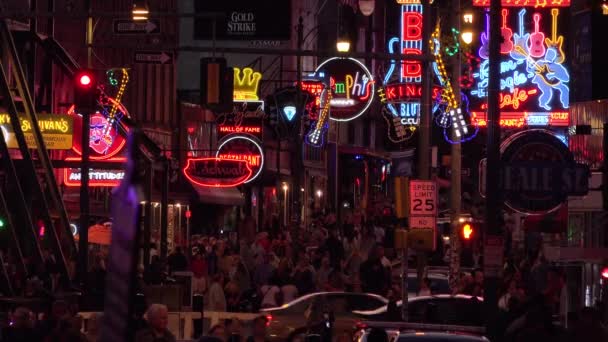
<point>311,310</point>
<point>425,336</point>
<point>437,309</point>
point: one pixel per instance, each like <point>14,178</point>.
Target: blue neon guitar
<point>520,39</point>
<point>484,50</point>
<point>316,136</point>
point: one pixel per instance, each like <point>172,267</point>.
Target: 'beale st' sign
<point>217,172</point>
<point>539,173</point>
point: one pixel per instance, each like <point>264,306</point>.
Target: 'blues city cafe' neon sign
<point>534,78</point>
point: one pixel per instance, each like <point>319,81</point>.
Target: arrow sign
<point>159,57</point>
<point>135,27</point>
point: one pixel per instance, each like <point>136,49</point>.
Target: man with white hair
<point>157,317</point>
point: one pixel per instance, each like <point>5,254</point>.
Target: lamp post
<point>285,188</point>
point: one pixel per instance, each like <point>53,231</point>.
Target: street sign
<point>423,198</point>
<point>493,251</point>
<point>121,26</point>
<point>153,57</point>
<point>420,222</point>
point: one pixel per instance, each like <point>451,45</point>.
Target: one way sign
<point>158,57</point>
<point>135,27</point>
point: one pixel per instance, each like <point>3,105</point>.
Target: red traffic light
<point>467,231</point>
<point>605,272</point>
<point>85,80</point>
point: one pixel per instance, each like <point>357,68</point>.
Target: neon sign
<point>237,124</point>
<point>411,41</point>
<point>105,143</point>
<point>533,75</point>
<point>399,129</point>
<point>246,83</point>
<point>521,119</point>
<point>57,131</point>
<point>244,148</point>
<point>406,91</point>
<point>318,130</point>
<point>452,117</point>
<point>97,178</point>
<point>216,172</point>
<point>352,87</point>
<point>525,3</point>
<point>402,100</point>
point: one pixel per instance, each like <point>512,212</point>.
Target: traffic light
<point>216,84</point>
<point>605,273</point>
<point>85,91</point>
<point>466,231</point>
<point>2,223</point>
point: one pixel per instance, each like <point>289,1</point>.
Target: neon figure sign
<point>534,77</point>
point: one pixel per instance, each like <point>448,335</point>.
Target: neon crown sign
<point>246,83</point>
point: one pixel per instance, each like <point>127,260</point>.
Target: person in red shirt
<point>199,271</point>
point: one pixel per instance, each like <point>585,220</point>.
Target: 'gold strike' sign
<point>57,130</point>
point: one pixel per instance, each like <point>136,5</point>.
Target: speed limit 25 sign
<point>423,198</point>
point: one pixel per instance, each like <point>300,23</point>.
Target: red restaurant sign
<point>217,172</point>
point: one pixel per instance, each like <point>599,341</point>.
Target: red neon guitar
<point>537,39</point>
<point>484,50</point>
<point>555,41</point>
<point>507,44</point>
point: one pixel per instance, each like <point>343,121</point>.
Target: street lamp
<point>467,27</point>
<point>319,193</point>
<point>343,44</point>
<point>285,188</point>
<point>140,11</point>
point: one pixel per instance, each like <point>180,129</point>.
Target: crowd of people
<point>246,271</point>
<point>268,270</point>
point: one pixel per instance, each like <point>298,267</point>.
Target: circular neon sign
<point>242,147</point>
<point>352,87</point>
<point>105,140</point>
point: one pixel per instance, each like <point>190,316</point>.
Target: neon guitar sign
<point>316,136</point>
<point>534,76</point>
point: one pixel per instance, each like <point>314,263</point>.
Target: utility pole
<point>424,135</point>
<point>456,165</point>
<point>83,243</point>
<point>493,195</point>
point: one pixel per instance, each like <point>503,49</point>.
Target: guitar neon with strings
<point>484,50</point>
<point>555,41</point>
<point>316,136</point>
<point>520,38</point>
<point>452,111</point>
<point>507,44</point>
<point>537,39</point>
<point>112,113</point>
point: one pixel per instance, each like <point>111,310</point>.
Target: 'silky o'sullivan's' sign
<point>216,172</point>
<point>539,172</point>
<point>352,87</point>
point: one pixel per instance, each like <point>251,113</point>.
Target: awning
<point>223,196</point>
